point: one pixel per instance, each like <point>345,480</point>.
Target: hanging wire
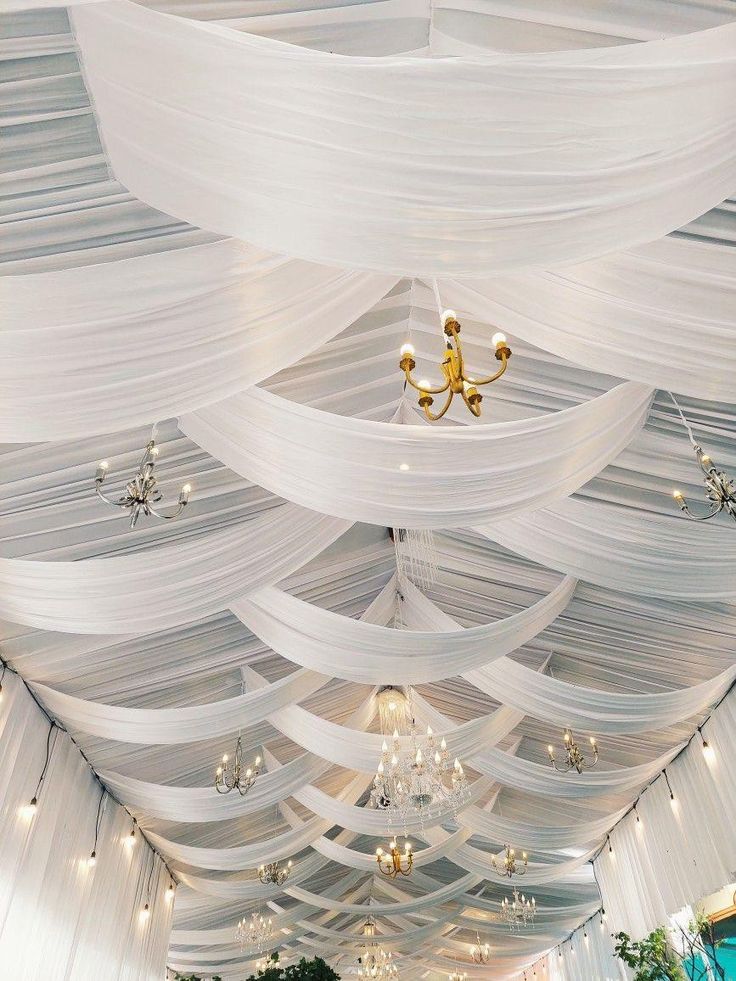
<point>103,798</point>
<point>2,676</point>
<point>52,726</point>
<point>684,420</point>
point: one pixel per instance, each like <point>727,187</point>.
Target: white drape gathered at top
<point>113,345</point>
<point>406,165</point>
<point>452,476</point>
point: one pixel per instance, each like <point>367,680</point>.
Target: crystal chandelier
<point>507,865</point>
<point>274,874</point>
<point>395,863</point>
<point>142,491</point>
<point>458,976</point>
<point>481,953</point>
<point>230,775</point>
<point>456,381</point>
<point>720,490</point>
<point>375,964</point>
<point>574,759</point>
<point>418,781</point>
<point>254,934</point>
<point>520,911</point>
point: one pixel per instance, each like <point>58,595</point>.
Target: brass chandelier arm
<point>432,416</point>
<point>504,359</point>
<point>429,391</point>
<point>474,403</point>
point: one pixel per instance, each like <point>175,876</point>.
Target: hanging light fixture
<point>458,975</point>
<point>142,492</point>
<point>574,758</point>
<point>375,963</point>
<point>395,863</point>
<point>456,380</point>
<point>255,933</point>
<point>720,490</point>
<point>519,912</point>
<point>507,864</point>
<point>273,873</point>
<point>230,774</point>
<point>481,953</point>
<point>419,780</point>
<point>29,810</point>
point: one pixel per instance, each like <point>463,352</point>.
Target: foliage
<point>652,958</point>
<point>312,970</point>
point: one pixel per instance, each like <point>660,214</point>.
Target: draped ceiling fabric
<point>541,161</point>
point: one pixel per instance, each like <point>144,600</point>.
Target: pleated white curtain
<point>681,850</point>
<point>59,919</point>
<point>587,955</point>
<point>443,165</point>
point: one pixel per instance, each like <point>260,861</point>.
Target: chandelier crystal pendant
<point>418,781</point>
<point>456,381</point>
<point>230,774</point>
<point>519,912</point>
<point>274,873</point>
<point>457,975</point>
<point>142,493</point>
<point>574,758</point>
<point>481,953</point>
<point>507,865</point>
<point>255,933</point>
<point>395,863</point>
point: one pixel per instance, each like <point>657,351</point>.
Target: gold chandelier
<point>574,759</point>
<point>508,866</point>
<point>456,381</point>
<point>395,863</point>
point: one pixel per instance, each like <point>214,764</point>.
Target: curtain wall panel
<point>680,850</point>
<point>61,920</point>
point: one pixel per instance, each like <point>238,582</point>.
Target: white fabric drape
<point>662,314</point>
<point>455,476</point>
<point>192,579</point>
<point>59,919</point>
<point>586,954</point>
<point>678,851</point>
<point>113,345</point>
<point>459,189</point>
<point>365,652</point>
<point>636,552</point>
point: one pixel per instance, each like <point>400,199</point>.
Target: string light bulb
<point>131,838</point>
<point>29,811</point>
<point>92,860</point>
<point>169,894</point>
<point>708,751</point>
<point>144,913</point>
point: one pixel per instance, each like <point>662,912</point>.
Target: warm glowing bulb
<point>258,760</point>
<point>379,852</point>
<point>103,465</point>
<point>592,740</point>
<point>407,846</point>
<point>145,913</point>
<point>424,384</point>
<point>709,752</point>
<point>706,459</point>
<point>407,349</point>
<point>224,758</point>
<point>677,495</point>
<point>29,810</point>
<point>448,315</point>
<point>289,864</point>
<point>498,339</point>
<point>550,750</point>
<point>403,467</point>
<point>169,894</point>
<point>92,860</point>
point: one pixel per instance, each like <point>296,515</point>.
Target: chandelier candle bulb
<point>455,379</point>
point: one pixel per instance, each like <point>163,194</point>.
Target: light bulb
<point>29,810</point>
<point>145,913</point>
<point>258,760</point>
<point>448,315</point>
<point>403,467</point>
<point>187,488</point>
<point>550,750</point>
<point>407,350</point>
<point>92,860</point>
<point>103,465</point>
<point>708,752</point>
<point>154,451</point>
<point>423,384</point>
<point>169,894</point>
<point>498,339</point>
<point>677,495</point>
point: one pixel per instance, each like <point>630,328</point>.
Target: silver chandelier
<point>720,490</point>
<point>520,912</point>
<point>141,493</point>
<point>231,775</point>
<point>254,934</point>
<point>273,873</point>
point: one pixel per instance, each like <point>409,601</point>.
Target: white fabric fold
<point>618,547</point>
<point>189,580</point>
<point>106,347</point>
<point>364,652</point>
<point>507,170</point>
<point>455,476</point>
